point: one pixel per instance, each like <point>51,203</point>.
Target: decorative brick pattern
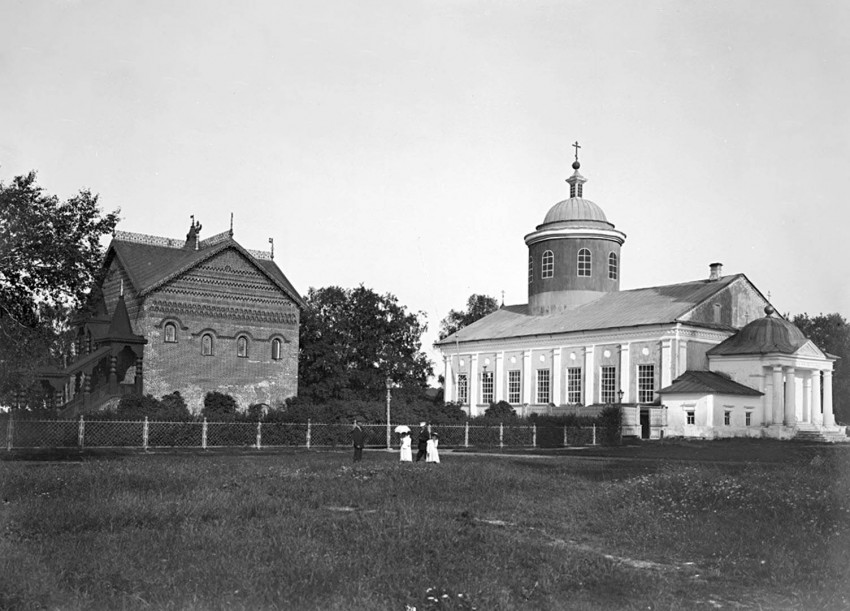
<point>226,296</point>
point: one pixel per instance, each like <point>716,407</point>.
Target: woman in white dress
<point>431,453</point>
<point>406,455</point>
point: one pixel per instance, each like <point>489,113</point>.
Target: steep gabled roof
<point>638,307</point>
<point>150,265</point>
<point>707,382</point>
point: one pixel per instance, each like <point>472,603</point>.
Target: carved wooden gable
<point>227,285</point>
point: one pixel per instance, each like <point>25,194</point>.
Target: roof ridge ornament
<point>576,180</point>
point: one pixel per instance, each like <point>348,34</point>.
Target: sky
<point>409,146</point>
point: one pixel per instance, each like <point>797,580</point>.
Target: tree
<point>477,307</point>
<point>50,254</point>
<point>352,340</point>
<point>831,333</point>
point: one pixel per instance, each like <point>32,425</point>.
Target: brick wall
<point>225,297</point>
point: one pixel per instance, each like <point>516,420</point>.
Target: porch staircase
<point>811,433</point>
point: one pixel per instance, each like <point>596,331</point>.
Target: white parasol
<point>401,428</point>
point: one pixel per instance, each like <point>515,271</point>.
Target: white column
<point>828,416</point>
<point>557,374</point>
<point>817,416</point>
<point>499,375</point>
<point>589,376</point>
<point>625,373</point>
<point>666,362</point>
<point>526,377</point>
<point>448,379</point>
<point>776,403</point>
<point>790,397</point>
<point>709,411</point>
<point>474,399</point>
<point>807,397</point>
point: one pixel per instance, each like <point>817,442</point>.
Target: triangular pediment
<point>811,350</point>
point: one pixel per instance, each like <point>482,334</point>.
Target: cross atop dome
<point>576,180</point>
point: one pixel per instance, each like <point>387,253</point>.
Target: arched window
<point>242,347</point>
<point>584,262</point>
<point>170,333</point>
<point>207,345</point>
<point>548,264</point>
<point>277,346</point>
<point>530,269</point>
<point>612,266</point>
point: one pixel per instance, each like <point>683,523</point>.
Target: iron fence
<point>93,433</point>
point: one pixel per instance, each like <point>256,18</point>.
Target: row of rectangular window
<point>727,417</point>
<point>583,267</point>
<point>608,385</point>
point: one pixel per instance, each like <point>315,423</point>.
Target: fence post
<point>534,435</point>
<point>594,434</point>
<point>204,434</point>
<point>259,434</point>
<point>81,433</point>
<point>10,431</point>
<point>565,435</point>
<point>145,434</point>
<point>308,433</point>
<point>465,434</point>
<point>501,435</point>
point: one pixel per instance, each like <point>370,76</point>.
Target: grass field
<point>759,525</point>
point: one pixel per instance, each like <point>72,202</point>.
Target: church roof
<point>768,335</point>
<point>646,306</point>
<point>707,382</point>
<point>153,263</point>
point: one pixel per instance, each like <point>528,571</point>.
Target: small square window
<point>691,417</point>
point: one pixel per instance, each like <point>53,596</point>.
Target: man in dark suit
<point>424,436</point>
<point>359,438</point>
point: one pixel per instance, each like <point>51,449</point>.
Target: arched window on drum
<point>613,267</point>
<point>584,262</point>
<point>547,265</point>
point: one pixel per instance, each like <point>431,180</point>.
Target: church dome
<point>763,336</point>
<point>575,209</point>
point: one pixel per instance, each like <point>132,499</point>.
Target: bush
<point>500,411</point>
<point>173,408</point>
<point>611,423</point>
<point>219,407</point>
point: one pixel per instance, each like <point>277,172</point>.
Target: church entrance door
<point>644,424</point>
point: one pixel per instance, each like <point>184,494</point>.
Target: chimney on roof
<point>716,271</point>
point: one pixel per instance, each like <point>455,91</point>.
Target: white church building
<point>705,358</point>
